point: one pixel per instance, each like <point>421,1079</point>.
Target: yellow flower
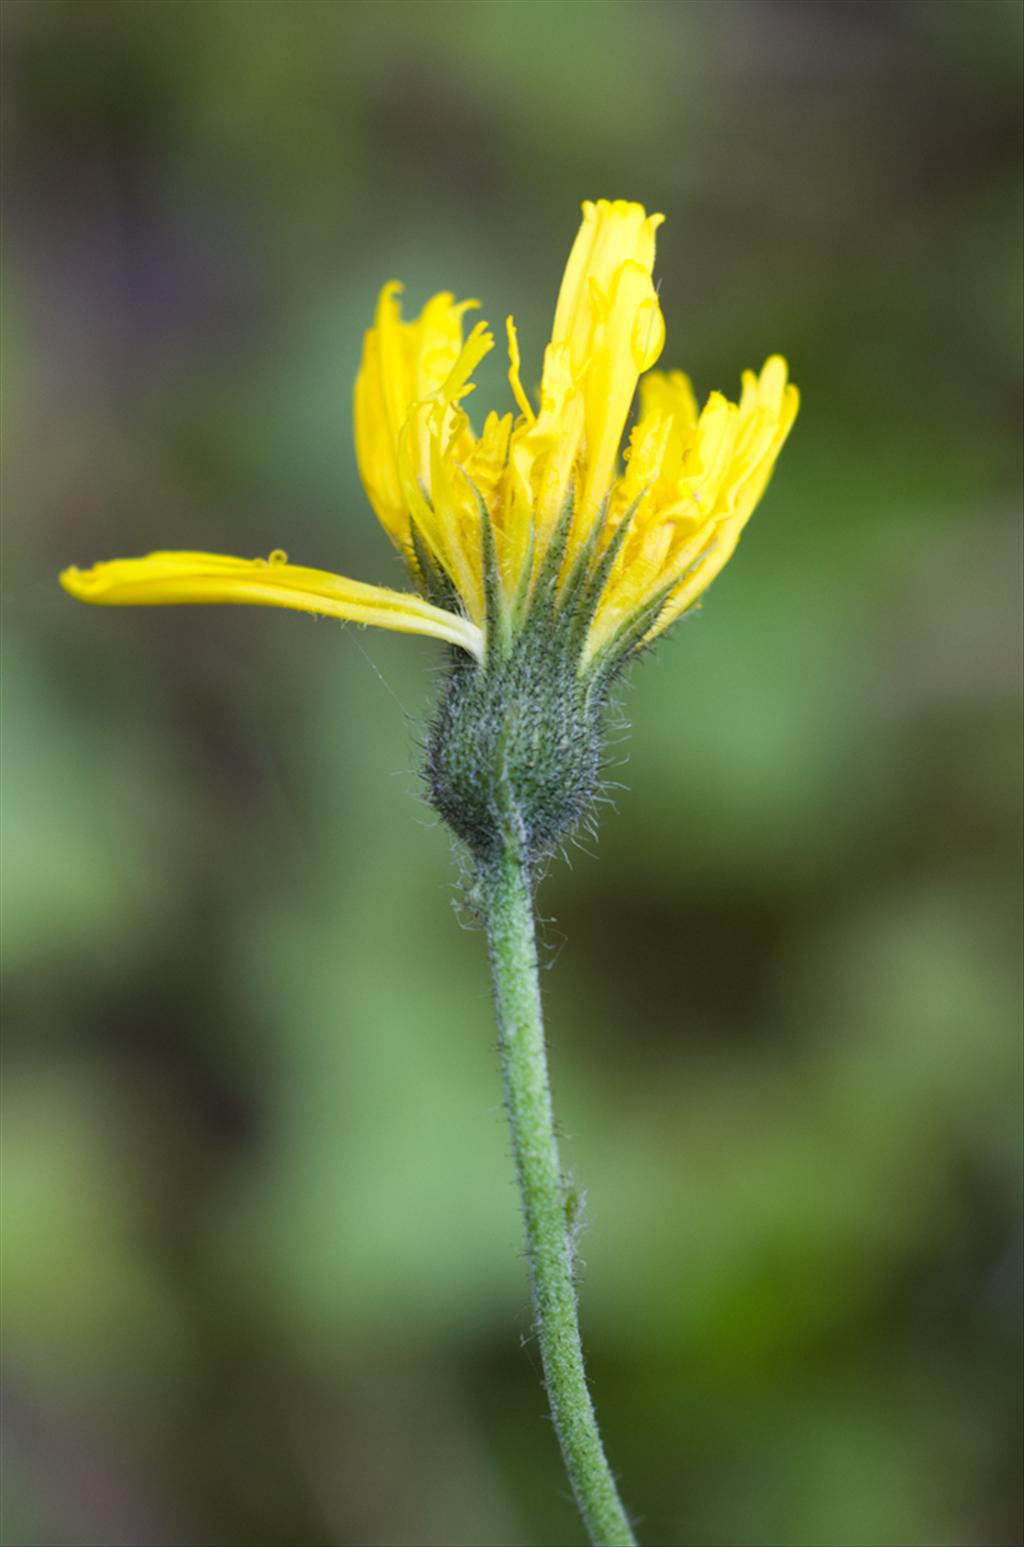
<point>534,512</point>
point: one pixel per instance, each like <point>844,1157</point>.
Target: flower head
<point>651,536</point>
<point>544,558</point>
<point>534,512</point>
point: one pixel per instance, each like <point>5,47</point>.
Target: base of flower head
<point>515,753</point>
<point>514,757</point>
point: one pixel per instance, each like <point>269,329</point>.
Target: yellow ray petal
<point>629,339</point>
<point>669,393</point>
<point>613,232</point>
<point>435,433</point>
<point>162,579</point>
<point>403,363</point>
<point>609,327</point>
<point>542,459</point>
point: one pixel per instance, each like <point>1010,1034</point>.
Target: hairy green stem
<point>546,1202</point>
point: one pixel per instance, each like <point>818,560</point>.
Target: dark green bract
<point>515,751</point>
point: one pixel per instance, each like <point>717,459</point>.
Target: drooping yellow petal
<point>164,579</point>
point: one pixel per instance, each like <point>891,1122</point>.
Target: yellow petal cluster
<point>690,479</point>
<point>665,518</point>
<point>692,482</point>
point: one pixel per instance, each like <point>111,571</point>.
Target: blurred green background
<point>264,1283</point>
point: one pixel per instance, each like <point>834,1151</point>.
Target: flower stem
<point>545,1201</point>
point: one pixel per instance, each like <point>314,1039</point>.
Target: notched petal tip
<point>77,582</point>
<point>772,381</point>
<point>389,305</point>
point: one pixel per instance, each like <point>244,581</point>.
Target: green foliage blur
<point>264,1283</point>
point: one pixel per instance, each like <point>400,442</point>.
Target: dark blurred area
<point>264,1282</point>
